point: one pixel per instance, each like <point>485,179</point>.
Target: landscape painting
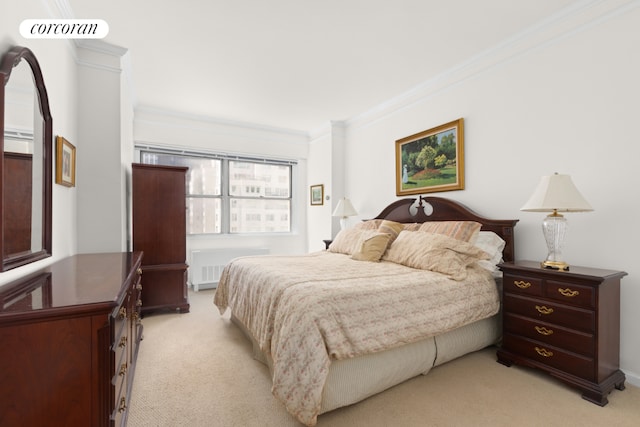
<point>431,161</point>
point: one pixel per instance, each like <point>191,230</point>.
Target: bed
<point>391,298</point>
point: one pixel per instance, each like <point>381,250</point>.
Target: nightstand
<point>566,323</point>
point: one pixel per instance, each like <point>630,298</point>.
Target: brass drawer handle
<point>139,271</point>
<point>123,405</point>
<point>544,331</point>
<point>123,370</point>
<point>544,310</point>
<point>568,292</point>
<point>123,342</point>
<point>122,313</point>
<point>139,303</point>
<point>544,352</point>
<point>522,284</point>
<point>139,286</point>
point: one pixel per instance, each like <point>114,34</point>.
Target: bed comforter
<point>305,311</point>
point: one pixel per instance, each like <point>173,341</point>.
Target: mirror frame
<point>9,60</point>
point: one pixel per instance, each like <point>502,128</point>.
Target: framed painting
<point>65,162</point>
<point>317,194</point>
<point>431,161</point>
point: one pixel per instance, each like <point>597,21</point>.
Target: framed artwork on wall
<point>65,162</point>
<point>317,194</point>
<point>431,161</point>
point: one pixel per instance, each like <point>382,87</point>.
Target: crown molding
<point>575,18</point>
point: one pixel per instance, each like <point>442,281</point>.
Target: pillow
<point>347,240</point>
<point>371,248</point>
<point>370,224</point>
<point>391,228</point>
<point>467,231</point>
<point>434,252</point>
<point>493,245</point>
<point>413,226</point>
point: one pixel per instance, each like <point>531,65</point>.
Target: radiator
<point>206,265</point>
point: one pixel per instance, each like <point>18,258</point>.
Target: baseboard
<point>633,379</point>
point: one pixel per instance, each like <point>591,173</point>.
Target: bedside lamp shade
<point>556,193</point>
<point>344,209</point>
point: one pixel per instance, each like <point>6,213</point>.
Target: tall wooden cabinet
<point>70,335</point>
<point>159,230</point>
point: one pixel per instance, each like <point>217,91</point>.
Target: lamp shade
<point>556,193</point>
<point>344,208</point>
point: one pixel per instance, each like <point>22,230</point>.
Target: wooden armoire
<point>159,230</point>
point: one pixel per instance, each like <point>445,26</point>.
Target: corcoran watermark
<point>64,28</point>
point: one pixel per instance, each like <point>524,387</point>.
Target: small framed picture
<point>65,162</point>
<point>317,194</point>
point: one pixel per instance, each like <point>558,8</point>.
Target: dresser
<point>566,323</point>
<point>159,208</point>
<point>69,336</point>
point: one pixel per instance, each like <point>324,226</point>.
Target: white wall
<point>561,99</point>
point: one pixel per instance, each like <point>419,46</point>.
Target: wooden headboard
<point>439,209</point>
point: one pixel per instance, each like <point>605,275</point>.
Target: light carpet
<point>196,369</point>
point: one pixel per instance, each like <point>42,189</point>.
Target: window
<point>227,194</point>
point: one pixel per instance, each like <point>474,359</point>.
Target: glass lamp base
<point>554,228</point>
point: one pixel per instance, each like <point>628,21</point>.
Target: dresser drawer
<point>575,364</point>
<point>551,334</point>
<point>568,293</point>
<point>522,285</point>
<point>550,312</point>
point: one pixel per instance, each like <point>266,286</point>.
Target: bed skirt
<point>352,380</point>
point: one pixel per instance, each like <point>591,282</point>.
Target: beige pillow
<point>434,252</point>
<point>371,248</point>
<point>370,224</point>
<point>467,231</point>
<point>391,228</point>
<point>347,240</point>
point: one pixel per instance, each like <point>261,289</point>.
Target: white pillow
<point>493,245</point>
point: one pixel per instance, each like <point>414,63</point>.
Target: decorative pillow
<point>370,224</point>
<point>371,248</point>
<point>413,226</point>
<point>434,252</point>
<point>346,241</point>
<point>391,228</point>
<point>493,245</point>
<point>467,231</point>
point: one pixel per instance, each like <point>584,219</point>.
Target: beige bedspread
<point>306,310</point>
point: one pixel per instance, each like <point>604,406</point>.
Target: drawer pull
<point>123,405</point>
<point>139,303</point>
<point>139,271</point>
<point>522,284</point>
<point>122,313</point>
<point>123,342</point>
<point>544,352</point>
<point>544,331</point>
<point>139,286</point>
<point>568,292</point>
<point>123,370</point>
<point>544,310</point>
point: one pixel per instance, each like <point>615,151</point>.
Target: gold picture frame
<point>431,161</point>
<point>317,195</point>
<point>65,162</point>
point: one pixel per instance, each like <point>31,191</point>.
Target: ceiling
<point>298,64</point>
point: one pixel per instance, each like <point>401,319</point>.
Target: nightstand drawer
<point>554,357</point>
<point>522,285</point>
<point>567,339</point>
<point>568,293</point>
<point>550,312</point>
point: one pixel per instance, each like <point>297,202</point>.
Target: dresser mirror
<point>25,190</point>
